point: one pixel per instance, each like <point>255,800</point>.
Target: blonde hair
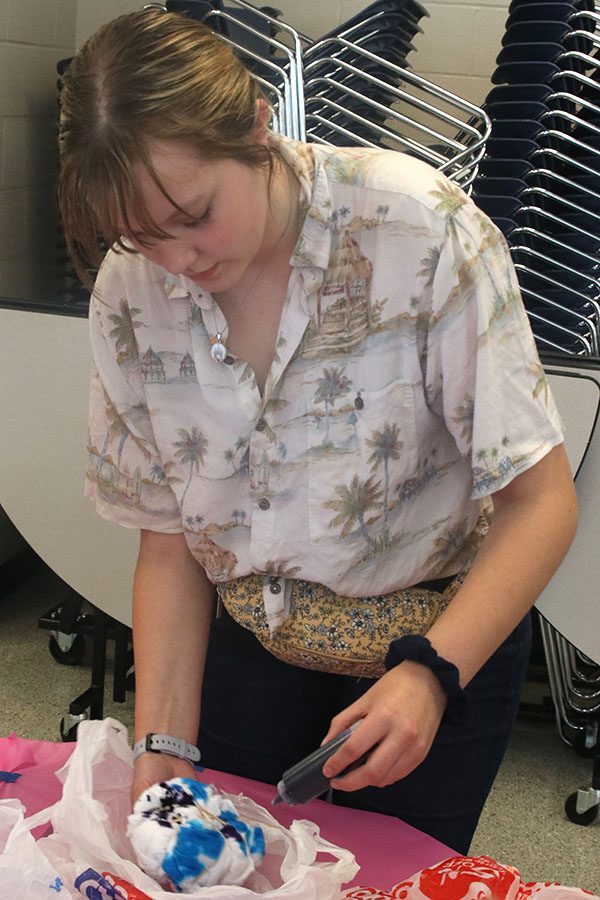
<point>145,76</point>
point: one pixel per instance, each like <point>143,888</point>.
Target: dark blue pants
<point>260,716</point>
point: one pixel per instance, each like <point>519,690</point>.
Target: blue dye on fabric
<point>194,840</point>
<point>10,777</point>
<point>197,789</point>
<point>254,835</point>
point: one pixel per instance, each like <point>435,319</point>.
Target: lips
<point>206,273</point>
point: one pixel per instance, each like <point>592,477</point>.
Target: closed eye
<point>198,220</point>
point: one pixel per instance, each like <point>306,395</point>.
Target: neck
<point>280,236</point>
<point>283,226</point>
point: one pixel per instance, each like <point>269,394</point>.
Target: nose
<point>177,256</point>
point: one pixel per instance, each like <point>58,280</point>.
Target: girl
<point>315,390</point>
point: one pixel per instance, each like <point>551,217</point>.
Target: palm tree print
<point>482,456</point>
<point>450,200</point>
<point>333,385</point>
<point>386,445</point>
<point>231,454</point>
<point>190,448</point>
<point>123,332</point>
<point>158,473</point>
<point>429,265</point>
<point>117,427</point>
<point>451,544</point>
<point>541,385</point>
<point>464,416</point>
<point>354,500</point>
<point>194,521</point>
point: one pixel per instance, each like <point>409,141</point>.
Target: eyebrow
<point>178,210</point>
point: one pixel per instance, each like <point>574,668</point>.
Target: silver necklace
<point>218,350</point>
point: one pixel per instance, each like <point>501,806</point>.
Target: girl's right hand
<point>151,768</point>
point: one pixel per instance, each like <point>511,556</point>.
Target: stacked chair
<point>540,177</point>
<point>352,86</point>
<point>540,182</point>
<point>575,685</point>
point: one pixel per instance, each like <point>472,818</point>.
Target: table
<point>386,849</point>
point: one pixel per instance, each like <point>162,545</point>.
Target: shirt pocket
<point>365,457</point>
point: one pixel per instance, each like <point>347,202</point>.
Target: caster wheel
<point>69,657</point>
<point>585,818</point>
<point>70,735</point>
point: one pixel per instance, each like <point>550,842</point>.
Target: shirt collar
<point>314,244</point>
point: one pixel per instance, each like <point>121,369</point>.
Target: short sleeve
<point>483,372</point>
<point>125,477</point>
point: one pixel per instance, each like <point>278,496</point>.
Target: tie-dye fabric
<point>405,389</point>
<point>186,835</point>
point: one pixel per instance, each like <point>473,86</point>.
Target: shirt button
<point>274,579</point>
<point>264,503</point>
<point>275,588</point>
<point>261,425</point>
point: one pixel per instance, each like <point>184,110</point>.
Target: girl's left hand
<point>400,716</point>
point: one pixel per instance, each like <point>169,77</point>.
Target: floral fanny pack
<point>332,633</point>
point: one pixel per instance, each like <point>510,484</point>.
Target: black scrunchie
<point>418,648</point>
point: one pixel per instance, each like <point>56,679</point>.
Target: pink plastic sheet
<point>388,850</point>
<point>33,765</point>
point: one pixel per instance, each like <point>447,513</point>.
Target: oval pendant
<point>218,351</point>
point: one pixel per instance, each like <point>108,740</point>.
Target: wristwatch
<point>166,743</point>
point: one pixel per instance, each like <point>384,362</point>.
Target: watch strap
<point>166,743</point>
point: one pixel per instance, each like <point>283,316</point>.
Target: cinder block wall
<point>33,35</point>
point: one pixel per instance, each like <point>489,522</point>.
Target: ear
<point>262,119</point>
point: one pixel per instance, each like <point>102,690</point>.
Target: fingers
<point>382,767</point>
<point>348,717</point>
<point>361,741</point>
<point>399,717</point>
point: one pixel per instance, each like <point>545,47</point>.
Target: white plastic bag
<point>24,870</point>
<point>89,831</point>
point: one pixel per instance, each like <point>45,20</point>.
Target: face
<point>227,227</point>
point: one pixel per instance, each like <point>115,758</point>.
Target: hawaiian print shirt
<point>405,389</point>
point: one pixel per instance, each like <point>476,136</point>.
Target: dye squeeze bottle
<point>305,780</point>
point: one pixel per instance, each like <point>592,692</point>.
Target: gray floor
<point>523,824</point>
